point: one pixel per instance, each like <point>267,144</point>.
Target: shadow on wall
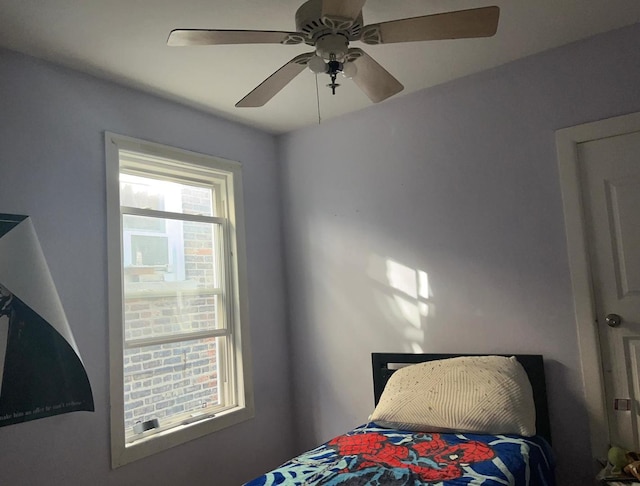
<point>573,461</point>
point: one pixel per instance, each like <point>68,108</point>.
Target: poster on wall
<point>41,372</point>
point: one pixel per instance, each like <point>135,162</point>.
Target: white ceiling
<point>125,41</point>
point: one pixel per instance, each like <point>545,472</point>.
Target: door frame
<point>567,141</point>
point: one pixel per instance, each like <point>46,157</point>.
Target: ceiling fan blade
<point>346,9</point>
<point>476,22</point>
<point>195,37</point>
<point>274,83</point>
<point>374,80</point>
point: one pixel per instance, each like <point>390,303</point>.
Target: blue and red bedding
<point>370,455</point>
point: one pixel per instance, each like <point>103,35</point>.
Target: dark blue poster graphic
<point>41,371</point>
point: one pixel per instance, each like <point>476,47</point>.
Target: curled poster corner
<point>41,370</point>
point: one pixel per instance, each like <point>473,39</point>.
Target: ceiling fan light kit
<point>330,26</point>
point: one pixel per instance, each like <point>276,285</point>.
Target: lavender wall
<point>52,168</point>
<point>457,185</point>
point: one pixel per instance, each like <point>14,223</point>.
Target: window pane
<point>161,195</point>
<point>171,382</point>
<point>185,254</point>
<point>172,279</point>
<point>167,315</point>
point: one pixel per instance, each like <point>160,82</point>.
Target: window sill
<point>160,441</point>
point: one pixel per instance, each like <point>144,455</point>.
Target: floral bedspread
<point>370,455</point>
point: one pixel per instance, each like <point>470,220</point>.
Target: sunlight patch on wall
<point>424,293</point>
<point>417,348</point>
<point>409,300</point>
<point>402,278</point>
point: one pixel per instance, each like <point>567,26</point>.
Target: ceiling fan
<point>329,26</point>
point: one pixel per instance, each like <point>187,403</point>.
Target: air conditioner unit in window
<point>149,250</point>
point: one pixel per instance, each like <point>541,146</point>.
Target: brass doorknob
<point>613,320</point>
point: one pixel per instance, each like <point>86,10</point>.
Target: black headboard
<point>532,363</point>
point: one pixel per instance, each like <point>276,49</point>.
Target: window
<point>177,297</point>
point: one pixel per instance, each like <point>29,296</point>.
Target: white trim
<point>174,338</point>
<point>154,213</point>
<point>199,167</point>
<point>567,141</point>
<point>151,149</point>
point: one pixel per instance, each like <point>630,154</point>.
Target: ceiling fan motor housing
<point>332,47</point>
<point>309,20</point>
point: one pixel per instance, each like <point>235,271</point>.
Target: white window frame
<point>182,165</point>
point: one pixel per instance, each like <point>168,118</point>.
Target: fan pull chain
<point>318,100</point>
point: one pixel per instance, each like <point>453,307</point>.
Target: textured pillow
<point>476,394</point>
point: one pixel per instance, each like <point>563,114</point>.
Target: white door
<point>609,171</point>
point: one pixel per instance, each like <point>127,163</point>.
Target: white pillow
<point>475,394</point>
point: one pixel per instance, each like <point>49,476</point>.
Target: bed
<point>396,449</point>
